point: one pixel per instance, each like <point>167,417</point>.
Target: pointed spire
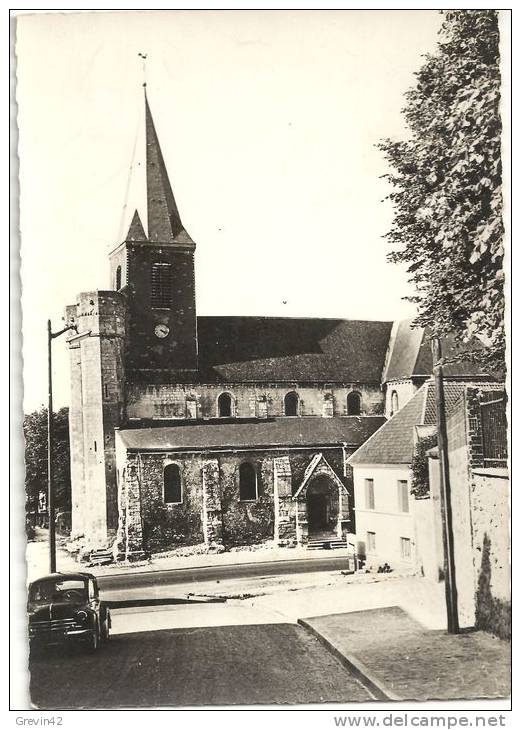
<point>136,232</point>
<point>164,221</point>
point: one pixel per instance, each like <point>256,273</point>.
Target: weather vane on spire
<point>143,56</point>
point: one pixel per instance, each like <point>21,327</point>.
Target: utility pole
<point>451,593</point>
<point>50,434</point>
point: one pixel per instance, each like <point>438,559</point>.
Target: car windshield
<point>59,589</point>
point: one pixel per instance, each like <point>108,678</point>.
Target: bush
<point>420,466</point>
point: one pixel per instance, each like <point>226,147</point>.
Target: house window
<point>291,404</point>
<point>224,405</point>
<point>405,546</point>
<point>394,402</point>
<point>247,482</point>
<point>353,404</point>
<point>161,286</point>
<point>403,495</point>
<point>172,490</point>
<point>369,493</point>
<point>371,542</point>
<point>118,278</point>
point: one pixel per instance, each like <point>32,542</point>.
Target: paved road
<point>226,665</point>
<point>219,572</point>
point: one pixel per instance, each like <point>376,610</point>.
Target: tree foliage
<point>35,433</point>
<point>446,183</point>
<point>420,466</point>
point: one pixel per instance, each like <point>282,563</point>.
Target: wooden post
<point>451,593</point>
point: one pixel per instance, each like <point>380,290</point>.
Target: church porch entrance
<point>322,507</point>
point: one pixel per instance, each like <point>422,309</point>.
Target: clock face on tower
<point>161,331</point>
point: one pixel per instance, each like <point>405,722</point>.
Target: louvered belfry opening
<point>161,288</point>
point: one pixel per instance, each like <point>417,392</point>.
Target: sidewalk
<point>398,659</point>
<point>37,559</point>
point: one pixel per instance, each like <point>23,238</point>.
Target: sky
<point>268,123</point>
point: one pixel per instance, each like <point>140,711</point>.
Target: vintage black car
<point>66,607</point>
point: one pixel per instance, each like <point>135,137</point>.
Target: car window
<point>67,590</point>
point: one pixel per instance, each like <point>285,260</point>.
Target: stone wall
<point>404,389</point>
<point>211,510</point>
<point>249,400</point>
<point>76,436</point>
<point>145,351</point>
<point>480,518</point>
<point>429,529</point>
<point>171,525</point>
<point>247,523</point>
<point>459,456</point>
<point>491,547</point>
<point>97,407</point>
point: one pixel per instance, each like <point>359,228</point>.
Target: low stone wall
<point>428,532</point>
<point>491,548</point>
<point>480,521</point>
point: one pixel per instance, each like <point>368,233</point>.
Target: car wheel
<point>105,631</point>
<point>94,640</point>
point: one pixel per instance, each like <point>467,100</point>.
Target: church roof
<point>280,349</point>
<point>405,344</point>
<point>305,431</point>
<point>410,354</point>
<point>164,222</point>
<point>136,232</point>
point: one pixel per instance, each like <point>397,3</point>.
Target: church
<point>218,431</point>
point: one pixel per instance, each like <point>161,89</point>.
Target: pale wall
<point>386,521</point>
<point>405,389</point>
<point>429,527</point>
<point>169,401</point>
<point>490,492</point>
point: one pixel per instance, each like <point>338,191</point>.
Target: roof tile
<point>271,349</point>
<point>306,431</point>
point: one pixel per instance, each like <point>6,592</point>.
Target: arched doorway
<point>322,506</point>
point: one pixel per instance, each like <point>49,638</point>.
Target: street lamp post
<point>50,487</point>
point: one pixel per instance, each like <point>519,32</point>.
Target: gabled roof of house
<point>393,442</point>
<point>453,391</point>
<point>280,349</point>
<point>305,431</point>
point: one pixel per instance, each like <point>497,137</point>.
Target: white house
<point>384,509</point>
<point>392,526</point>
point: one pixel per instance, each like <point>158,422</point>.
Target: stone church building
<point>188,430</point>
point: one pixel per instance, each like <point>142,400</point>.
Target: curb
<point>223,565</point>
<point>144,602</point>
<point>355,666</point>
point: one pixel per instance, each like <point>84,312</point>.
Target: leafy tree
<point>446,183</point>
<point>420,466</point>
<point>35,433</point>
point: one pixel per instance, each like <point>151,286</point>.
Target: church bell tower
<point>155,270</point>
